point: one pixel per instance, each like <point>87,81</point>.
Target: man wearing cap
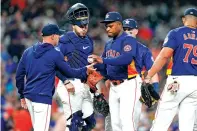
<point>38,65</point>
<point>76,45</point>
<point>145,58</point>
<point>118,57</point>
<point>180,92</point>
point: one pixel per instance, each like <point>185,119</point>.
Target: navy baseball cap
<point>191,11</point>
<point>111,17</point>
<point>51,29</point>
<point>130,23</point>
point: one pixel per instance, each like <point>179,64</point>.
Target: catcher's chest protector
<point>82,48</point>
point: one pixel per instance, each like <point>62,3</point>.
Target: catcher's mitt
<point>93,79</point>
<point>100,105</point>
<point>148,95</point>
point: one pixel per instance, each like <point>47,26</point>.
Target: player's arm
<point>167,51</point>
<point>148,62</point>
<point>126,56</point>
<point>20,75</point>
<point>61,76</point>
<point>160,61</point>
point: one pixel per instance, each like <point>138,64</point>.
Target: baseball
<point>90,60</point>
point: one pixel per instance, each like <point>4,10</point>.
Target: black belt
<point>118,82</point>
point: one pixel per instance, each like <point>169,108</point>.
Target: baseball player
<point>169,72</point>
<point>76,45</point>
<point>180,93</point>
<point>144,58</point>
<point>118,57</point>
<point>38,64</point>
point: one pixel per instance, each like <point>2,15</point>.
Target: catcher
<point>76,45</point>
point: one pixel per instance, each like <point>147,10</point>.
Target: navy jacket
<point>39,64</point>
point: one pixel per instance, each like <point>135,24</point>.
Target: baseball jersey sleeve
<point>20,75</point>
<point>66,49</point>
<point>170,40</point>
<point>127,54</point>
<point>148,59</point>
<point>61,76</point>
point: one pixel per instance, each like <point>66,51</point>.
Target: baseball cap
<point>51,29</point>
<point>191,11</point>
<point>130,23</point>
<point>111,17</point>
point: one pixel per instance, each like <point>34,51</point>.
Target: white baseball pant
<point>125,107</point>
<point>184,102</point>
<point>40,115</point>
<point>73,102</point>
<point>195,123</point>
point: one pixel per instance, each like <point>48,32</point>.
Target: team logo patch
<point>166,40</point>
<point>127,48</point>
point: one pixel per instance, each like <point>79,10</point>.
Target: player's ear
<point>136,31</point>
<point>73,26</point>
<point>52,37</point>
<point>183,19</point>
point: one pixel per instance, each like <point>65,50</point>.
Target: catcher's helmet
<point>78,14</point>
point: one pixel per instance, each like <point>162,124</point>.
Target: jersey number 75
<point>191,49</point>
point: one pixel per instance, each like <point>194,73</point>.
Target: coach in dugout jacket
<point>39,64</point>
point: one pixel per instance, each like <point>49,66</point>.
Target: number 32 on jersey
<point>190,49</point>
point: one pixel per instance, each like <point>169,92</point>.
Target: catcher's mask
<point>78,14</point>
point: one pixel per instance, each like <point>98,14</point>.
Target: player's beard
<point>80,32</point>
<point>110,34</point>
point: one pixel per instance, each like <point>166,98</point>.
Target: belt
<point>118,82</point>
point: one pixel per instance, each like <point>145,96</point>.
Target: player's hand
<point>69,86</point>
<point>173,87</point>
<point>23,103</point>
<point>107,84</point>
<point>90,68</point>
<point>96,59</point>
<point>147,79</point>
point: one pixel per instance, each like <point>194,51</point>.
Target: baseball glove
<point>100,105</point>
<point>93,79</point>
<point>148,95</point>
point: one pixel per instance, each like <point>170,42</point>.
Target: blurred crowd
<point>21,23</point>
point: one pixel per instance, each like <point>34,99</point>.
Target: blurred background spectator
<point>22,20</point>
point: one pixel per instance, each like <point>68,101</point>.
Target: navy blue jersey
<point>183,41</point>
<point>76,49</point>
<point>143,58</point>
<point>118,57</point>
<point>38,65</point>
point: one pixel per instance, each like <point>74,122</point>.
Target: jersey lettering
<point>112,53</point>
<point>191,49</point>
<point>189,36</point>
